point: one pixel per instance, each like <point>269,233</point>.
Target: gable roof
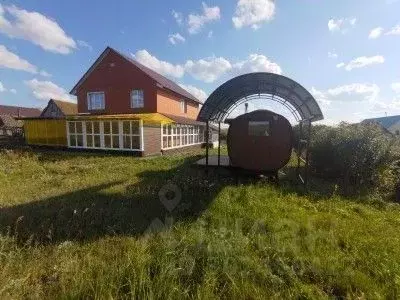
<point>9,122</point>
<point>67,108</point>
<point>386,122</point>
<point>20,112</point>
<point>162,81</point>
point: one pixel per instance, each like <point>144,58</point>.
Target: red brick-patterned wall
<point>117,77</point>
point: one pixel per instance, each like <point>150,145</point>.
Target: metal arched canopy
<point>266,85</point>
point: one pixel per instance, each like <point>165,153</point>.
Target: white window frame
<point>92,136</point>
<point>183,105</point>
<point>182,136</point>
<point>137,102</point>
<point>90,105</point>
<point>73,135</point>
<point>85,135</point>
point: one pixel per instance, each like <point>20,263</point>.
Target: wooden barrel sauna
<point>260,141</point>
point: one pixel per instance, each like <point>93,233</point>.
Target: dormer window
<point>96,101</point>
<point>137,99</point>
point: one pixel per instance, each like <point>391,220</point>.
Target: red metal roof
<point>20,112</point>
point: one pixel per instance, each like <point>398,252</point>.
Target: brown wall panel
<point>152,139</point>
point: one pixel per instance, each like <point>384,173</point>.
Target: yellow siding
<point>45,132</point>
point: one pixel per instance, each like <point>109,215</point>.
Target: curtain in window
<point>137,99</point>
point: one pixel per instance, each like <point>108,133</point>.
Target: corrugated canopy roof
<point>268,86</point>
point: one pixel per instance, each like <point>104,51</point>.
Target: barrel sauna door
<point>260,141</point>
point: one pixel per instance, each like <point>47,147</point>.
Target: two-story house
<point>123,105</point>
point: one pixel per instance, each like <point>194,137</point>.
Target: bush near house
<point>362,157</point>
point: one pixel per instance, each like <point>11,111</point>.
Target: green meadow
<point>77,225</point>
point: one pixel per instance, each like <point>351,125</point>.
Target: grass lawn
<point>84,225</point>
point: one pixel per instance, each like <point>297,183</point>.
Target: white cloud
<point>333,54</point>
<point>35,27</point>
<point>2,88</point>
<point>321,97</point>
<point>209,69</point>
<point>350,103</point>
<point>362,61</point>
<point>340,65</point>
<point>341,25</point>
<point>198,93</point>
<point>162,67</point>
<point>334,25</point>
<point>257,63</point>
<point>396,87</point>
<point>178,17</point>
<point>355,102</point>
<point>210,34</point>
<point>175,38</point>
<point>13,91</point>
<point>12,61</point>
<point>45,90</point>
<point>369,92</point>
<point>196,22</point>
<point>394,31</point>
<point>253,13</point>
<point>45,74</point>
<point>358,92</point>
<point>84,44</point>
<point>392,106</point>
<point>375,33</point>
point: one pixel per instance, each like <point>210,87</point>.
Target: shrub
<point>361,156</point>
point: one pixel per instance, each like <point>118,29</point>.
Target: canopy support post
<point>299,148</point>
<point>219,144</point>
<point>207,141</point>
<point>307,154</point>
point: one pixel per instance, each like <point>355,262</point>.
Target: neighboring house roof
<point>20,112</point>
<point>386,122</point>
<point>9,122</point>
<point>161,80</point>
<point>67,108</point>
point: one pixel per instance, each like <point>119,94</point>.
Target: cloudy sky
<point>346,53</point>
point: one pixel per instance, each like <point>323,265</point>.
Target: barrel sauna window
<point>259,128</point>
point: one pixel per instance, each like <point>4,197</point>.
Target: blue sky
<point>345,52</point>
